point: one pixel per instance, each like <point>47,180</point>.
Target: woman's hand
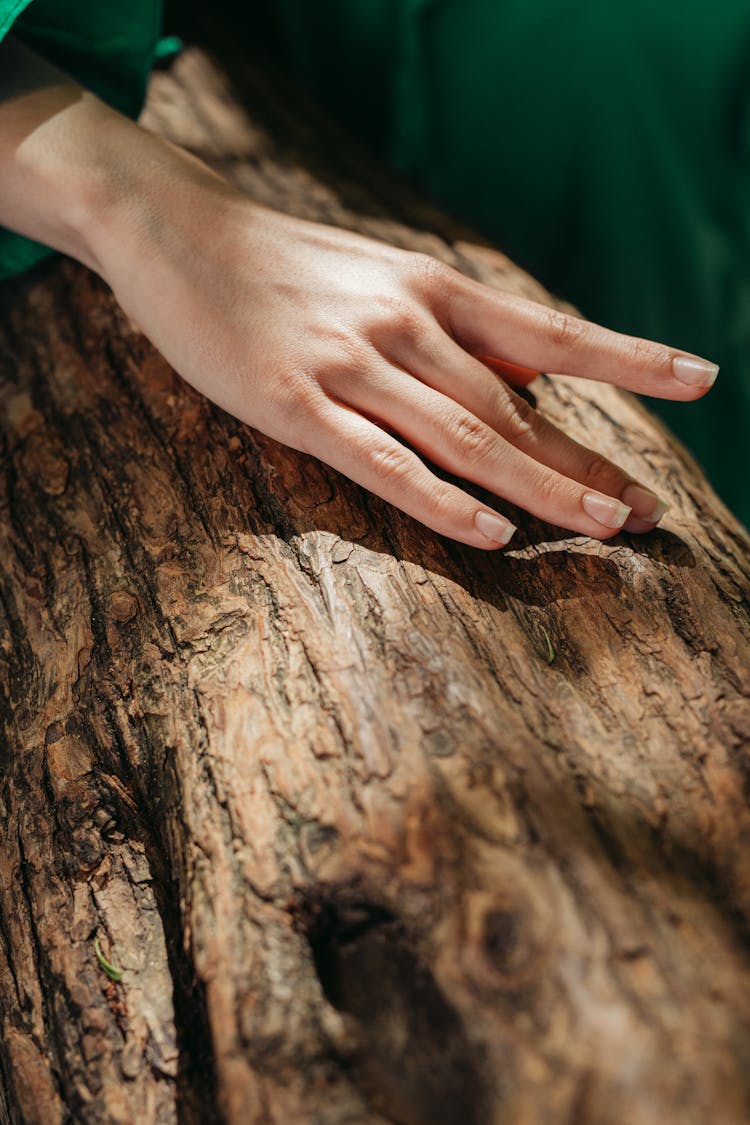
<point>346,348</point>
<point>335,344</point>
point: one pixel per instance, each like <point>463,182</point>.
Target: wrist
<point>82,178</point>
<point>78,176</point>
<point>147,201</point>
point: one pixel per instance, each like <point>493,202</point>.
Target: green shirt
<point>108,46</point>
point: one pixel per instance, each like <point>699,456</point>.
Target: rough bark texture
<point>361,851</point>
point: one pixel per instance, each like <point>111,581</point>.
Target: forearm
<point>47,127</point>
<point>75,174</point>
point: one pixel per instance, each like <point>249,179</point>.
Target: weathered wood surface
<point>361,852</point>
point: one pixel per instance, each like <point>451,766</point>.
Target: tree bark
<point>376,827</point>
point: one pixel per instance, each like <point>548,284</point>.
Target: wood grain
<point>362,852</point>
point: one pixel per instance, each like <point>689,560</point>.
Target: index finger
<point>487,321</point>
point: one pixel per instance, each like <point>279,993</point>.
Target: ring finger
<point>445,366</point>
<point>459,441</point>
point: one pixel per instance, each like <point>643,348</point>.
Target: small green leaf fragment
<point>550,649</point>
<point>113,973</point>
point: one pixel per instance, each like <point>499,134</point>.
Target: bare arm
<point>47,124</point>
<point>67,160</point>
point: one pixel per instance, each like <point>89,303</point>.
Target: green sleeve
<point>108,47</point>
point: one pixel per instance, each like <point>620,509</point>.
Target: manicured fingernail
<point>644,504</point>
<point>695,372</point>
<point>494,527</point>
<point>610,513</point>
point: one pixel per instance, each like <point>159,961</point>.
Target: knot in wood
<point>123,606</point>
<point>44,464</point>
<point>502,948</point>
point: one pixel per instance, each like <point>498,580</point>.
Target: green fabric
<point>108,46</point>
<point>604,146</point>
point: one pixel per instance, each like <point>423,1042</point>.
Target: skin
<point>332,343</point>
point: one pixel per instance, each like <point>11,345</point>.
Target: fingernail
<point>695,372</point>
<point>610,513</point>
<point>645,505</point>
<point>494,527</point>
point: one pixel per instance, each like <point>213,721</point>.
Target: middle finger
<point>443,364</point>
<point>454,438</point>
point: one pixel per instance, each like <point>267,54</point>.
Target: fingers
<point>447,368</point>
<point>457,440</point>
<point>486,321</point>
<point>370,456</point>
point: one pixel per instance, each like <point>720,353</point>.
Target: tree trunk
<point>376,827</point>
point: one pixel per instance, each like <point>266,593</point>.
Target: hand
<point>333,343</point>
<point>342,346</point>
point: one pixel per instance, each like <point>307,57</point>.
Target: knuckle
<point>341,345</point>
<point>598,471</point>
<point>563,330</point>
<point>518,417</point>
<point>395,315</point>
<point>297,400</point>
<point>647,355</point>
<point>547,490</point>
<point>639,352</point>
<point>390,462</point>
<point>290,385</point>
<point>437,505</point>
<point>430,273</point>
<point>338,359</point>
<point>474,440</point>
<point>338,375</point>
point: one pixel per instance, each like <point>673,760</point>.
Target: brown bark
<point>362,852</point>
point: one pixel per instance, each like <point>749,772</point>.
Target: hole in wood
<point>413,1062</point>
